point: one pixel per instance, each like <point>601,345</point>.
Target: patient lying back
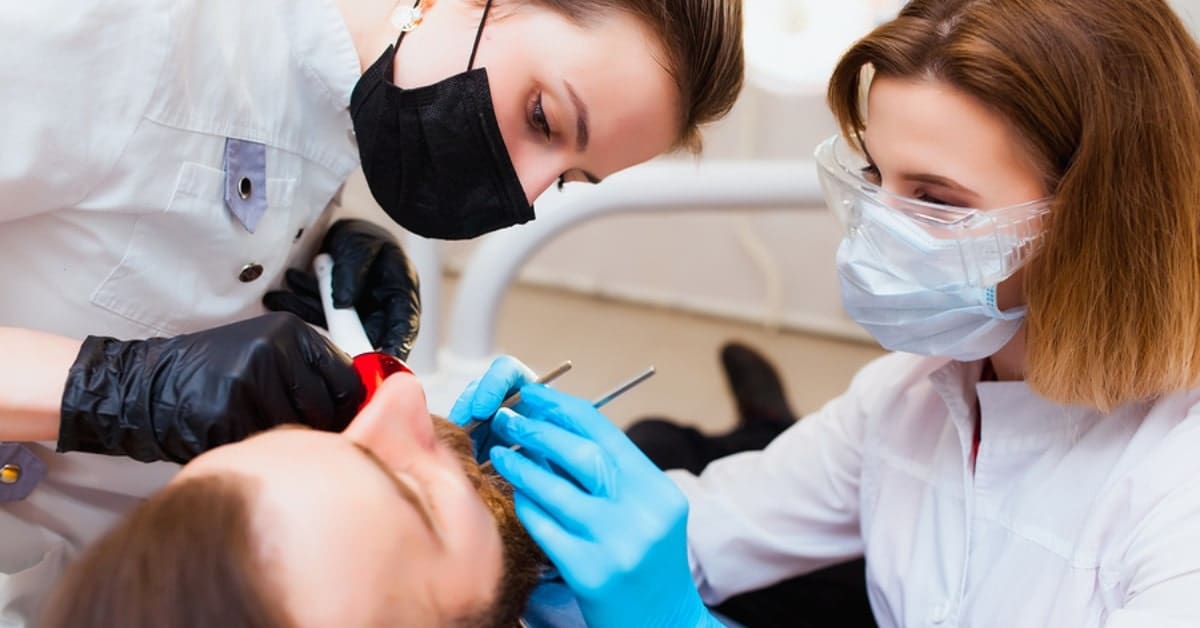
<point>388,523</point>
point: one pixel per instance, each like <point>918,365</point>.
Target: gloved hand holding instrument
<point>479,429</point>
<point>372,275</point>
<point>600,401</point>
<point>611,522</point>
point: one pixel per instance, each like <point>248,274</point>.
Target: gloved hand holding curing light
<point>615,526</point>
<point>371,273</point>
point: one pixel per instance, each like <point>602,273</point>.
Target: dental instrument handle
<point>345,328</point>
<point>623,388</point>
<point>515,398</point>
<point>599,402</point>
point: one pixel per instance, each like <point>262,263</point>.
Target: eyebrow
<point>582,134</point>
<point>406,492</point>
<point>932,179</point>
<point>581,120</point>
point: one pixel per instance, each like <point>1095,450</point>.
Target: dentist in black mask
<point>167,161</point>
<point>435,160</point>
<point>436,154</point>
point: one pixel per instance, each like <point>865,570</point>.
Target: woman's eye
<point>538,117</point>
<point>871,174</point>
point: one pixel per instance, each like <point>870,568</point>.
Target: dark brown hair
<point>702,40</point>
<point>1106,96</point>
<point>185,558</point>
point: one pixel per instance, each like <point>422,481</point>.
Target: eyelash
<point>871,173</point>
<point>537,120</point>
<point>537,117</point>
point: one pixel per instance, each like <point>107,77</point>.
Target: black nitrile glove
<point>175,398</point>
<point>370,272</point>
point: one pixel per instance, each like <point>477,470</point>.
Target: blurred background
<point>621,292</point>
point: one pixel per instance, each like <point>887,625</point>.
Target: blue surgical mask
<point>908,301</point>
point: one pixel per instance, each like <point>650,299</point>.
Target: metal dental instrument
<point>515,398</point>
<point>623,388</point>
<point>600,401</point>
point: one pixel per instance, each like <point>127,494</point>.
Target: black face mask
<point>433,156</point>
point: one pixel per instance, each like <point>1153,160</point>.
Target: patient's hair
<point>1106,96</point>
<point>185,558</point>
<point>702,41</point>
<point>188,558</point>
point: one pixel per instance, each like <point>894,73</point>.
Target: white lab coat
<point>1071,518</point>
<point>114,118</point>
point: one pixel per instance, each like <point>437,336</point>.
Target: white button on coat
<point>114,118</point>
<point>1070,518</point>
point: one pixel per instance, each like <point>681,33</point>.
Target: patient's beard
<point>523,560</point>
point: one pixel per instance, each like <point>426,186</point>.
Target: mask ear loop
<point>487,6</point>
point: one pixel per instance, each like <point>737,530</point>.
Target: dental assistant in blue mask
<point>166,162</point>
<point>1020,195</point>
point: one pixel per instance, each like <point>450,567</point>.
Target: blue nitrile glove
<point>483,397</point>
<point>615,526</point>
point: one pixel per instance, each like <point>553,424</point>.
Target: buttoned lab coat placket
<point>1068,518</point>
<point>164,162</point>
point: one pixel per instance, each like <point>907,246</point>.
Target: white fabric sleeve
<point>757,518</point>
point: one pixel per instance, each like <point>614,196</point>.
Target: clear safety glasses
<point>950,245</point>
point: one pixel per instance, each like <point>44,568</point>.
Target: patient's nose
<point>395,425</point>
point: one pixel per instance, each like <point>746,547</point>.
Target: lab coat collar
<point>1013,416</point>
<point>323,47</point>
<point>955,383</point>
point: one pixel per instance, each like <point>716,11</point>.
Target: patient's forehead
<point>280,445</point>
<point>328,526</point>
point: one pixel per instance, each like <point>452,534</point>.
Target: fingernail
<point>497,455</point>
<point>506,420</point>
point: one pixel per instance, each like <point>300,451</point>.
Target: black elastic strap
<point>479,34</point>
<point>487,6</point>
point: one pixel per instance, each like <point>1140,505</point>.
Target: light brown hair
<point>702,41</point>
<point>1106,96</point>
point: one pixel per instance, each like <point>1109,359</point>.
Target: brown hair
<point>523,560</point>
<point>188,557</point>
<point>702,40</point>
<point>1106,96</point>
<point>184,558</point>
